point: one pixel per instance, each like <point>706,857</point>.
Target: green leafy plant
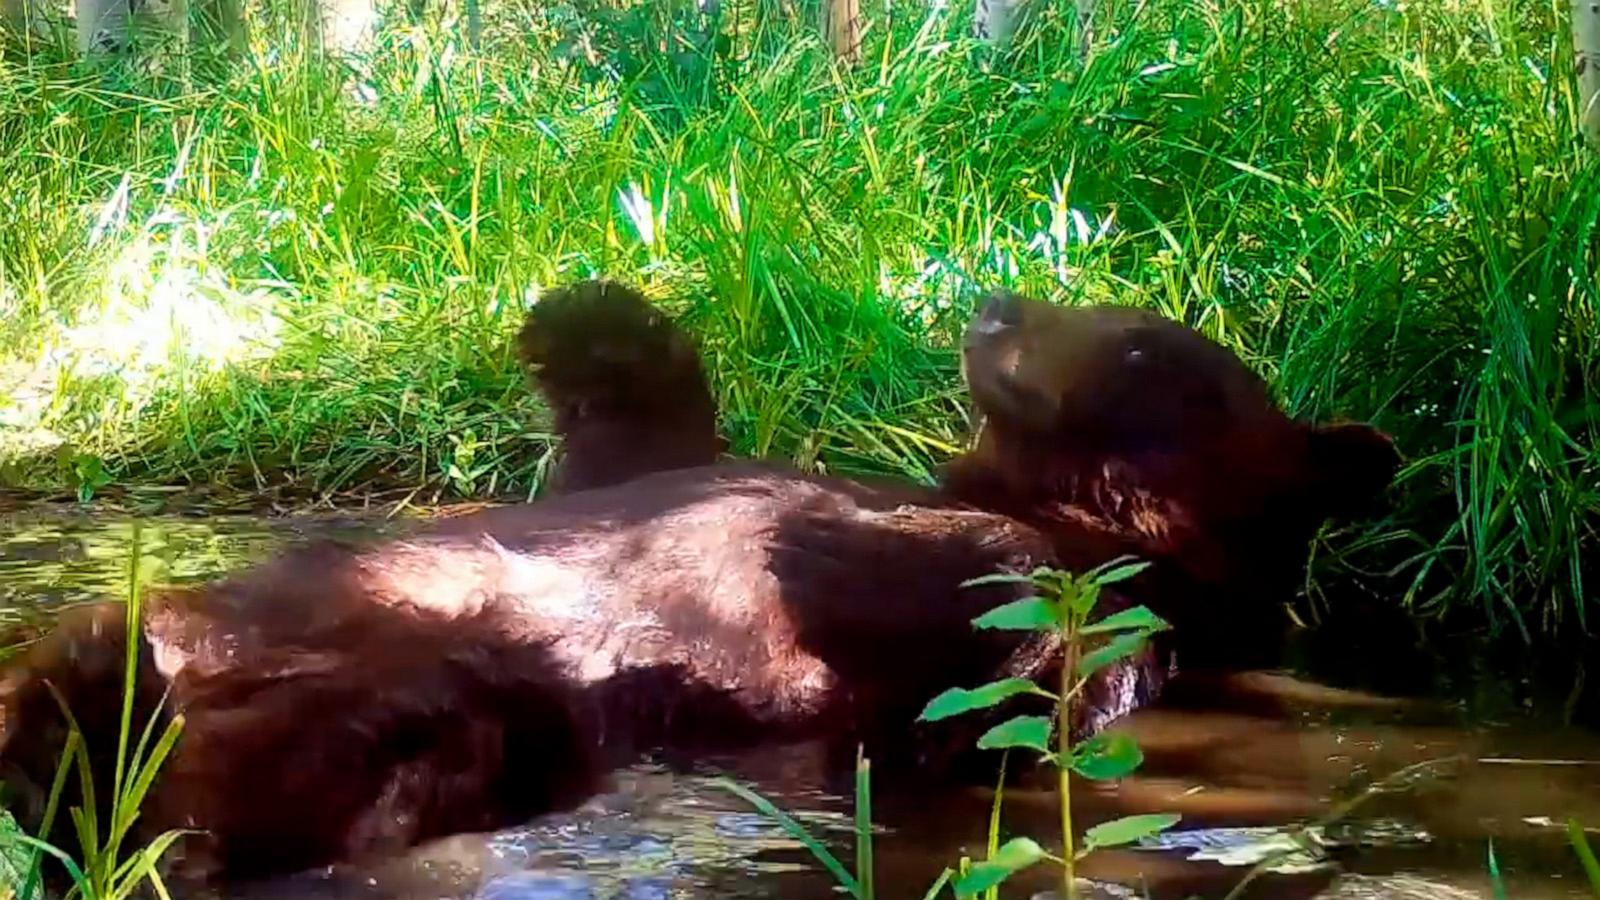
<point>102,871</point>
<point>1063,605</point>
<point>464,468</point>
<point>88,475</point>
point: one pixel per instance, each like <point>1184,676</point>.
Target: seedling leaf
<point>998,578</point>
<point>1139,618</point>
<point>1032,732</point>
<point>1111,573</point>
<point>1119,647</point>
<point>1107,756</point>
<point>956,701</point>
<point>1126,830</point>
<point>1027,614</point>
<point>1014,856</point>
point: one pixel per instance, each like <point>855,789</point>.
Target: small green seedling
<point>1062,605</point>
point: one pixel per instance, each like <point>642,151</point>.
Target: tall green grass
<point>104,866</point>
<point>294,273</point>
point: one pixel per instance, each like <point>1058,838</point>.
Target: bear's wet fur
<point>343,701</point>
<point>624,384</point>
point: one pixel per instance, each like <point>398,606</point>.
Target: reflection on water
<point>56,555</point>
<point>1241,759</point>
<point>655,834</point>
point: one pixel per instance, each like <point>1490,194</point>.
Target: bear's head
<point>1123,422</point>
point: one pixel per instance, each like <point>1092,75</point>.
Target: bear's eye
<point>1134,355</point>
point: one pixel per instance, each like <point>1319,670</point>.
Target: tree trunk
<point>1586,54</point>
<point>348,26</point>
<point>107,26</point>
<point>1085,36</point>
<point>841,23</point>
<point>995,21</point>
<point>110,26</point>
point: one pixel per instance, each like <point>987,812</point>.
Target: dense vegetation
<point>295,272</point>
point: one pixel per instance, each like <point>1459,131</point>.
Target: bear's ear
<point>1353,465</point>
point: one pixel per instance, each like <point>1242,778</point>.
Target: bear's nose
<point>997,312</point>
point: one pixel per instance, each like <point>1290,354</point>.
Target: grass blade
<point>52,805</point>
<point>864,864</point>
<point>1580,846</point>
<point>994,819</point>
<point>145,776</point>
<point>798,832</point>
<point>1495,881</point>
<point>143,866</point>
<point>939,884</point>
<point>80,882</point>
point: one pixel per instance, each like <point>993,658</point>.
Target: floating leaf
<point>1014,856</point>
<point>1028,614</point>
<point>956,701</point>
<point>1022,731</point>
<point>1139,618</point>
<point>1119,647</point>
<point>1126,830</point>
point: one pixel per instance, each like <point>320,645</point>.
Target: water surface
<point>1240,760</point>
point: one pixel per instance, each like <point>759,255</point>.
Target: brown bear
<point>623,382</point>
<point>342,701</point>
<point>1125,422</point>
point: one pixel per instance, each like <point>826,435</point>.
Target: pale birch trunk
<point>841,25</point>
<point>1586,53</point>
<point>995,21</point>
<point>343,26</point>
<point>1085,36</point>
<point>107,26</point>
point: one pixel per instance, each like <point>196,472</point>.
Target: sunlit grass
<point>1381,206</point>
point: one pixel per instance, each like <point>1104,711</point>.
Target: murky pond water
<point>1240,760</point>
